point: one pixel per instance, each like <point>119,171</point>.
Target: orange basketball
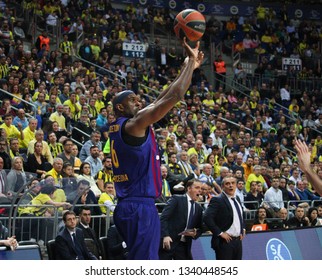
<point>189,23</point>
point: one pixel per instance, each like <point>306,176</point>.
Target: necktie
<point>2,186</point>
<point>77,247</point>
<point>191,213</point>
<point>165,188</point>
<point>239,214</point>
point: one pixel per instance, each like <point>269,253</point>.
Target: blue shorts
<point>138,222</point>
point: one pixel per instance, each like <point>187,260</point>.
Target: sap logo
<point>277,250</point>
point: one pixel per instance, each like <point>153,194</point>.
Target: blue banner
<point>312,12</point>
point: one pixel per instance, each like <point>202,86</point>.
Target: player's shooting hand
<point>303,154</point>
<point>194,53</point>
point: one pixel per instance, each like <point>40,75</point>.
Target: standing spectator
<point>224,219</point>
<point>177,231</point>
<point>69,243</point>
<point>220,72</point>
<point>285,96</point>
<point>85,51</point>
<point>43,41</point>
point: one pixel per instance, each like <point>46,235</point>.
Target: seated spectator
<point>312,214</point>
<point>95,140</point>
<point>85,174</point>
<point>260,218</point>
<point>85,225</point>
<point>10,129</point>
<point>69,181</point>
<point>39,137</point>
<point>55,147</point>
<point>273,198</point>
<point>16,178</point>
<point>116,247</point>
<point>283,214</point>
<point>108,199</point>
<point>70,244</point>
<point>299,219</point>
<point>42,203</point>
<point>84,195</point>
<point>305,194</point>
<point>37,163</point>
<point>253,198</point>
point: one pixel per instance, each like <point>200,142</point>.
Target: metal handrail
<point>237,124</point>
<point>22,100</point>
<point>100,67</point>
<point>78,143</point>
<point>81,131</point>
<point>16,109</point>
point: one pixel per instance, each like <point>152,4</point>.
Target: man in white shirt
<point>285,96</point>
<point>273,197</point>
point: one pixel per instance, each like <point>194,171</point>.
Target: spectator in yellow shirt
<point>72,104</point>
<point>39,137</point>
<point>10,129</point>
<point>58,116</point>
<point>55,172</point>
<point>29,133</point>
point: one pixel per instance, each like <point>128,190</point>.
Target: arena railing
<point>110,73</point>
<point>21,99</point>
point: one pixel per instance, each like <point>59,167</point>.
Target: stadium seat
<point>51,249</point>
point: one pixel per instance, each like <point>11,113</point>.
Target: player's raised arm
<point>174,93</point>
<point>304,159</point>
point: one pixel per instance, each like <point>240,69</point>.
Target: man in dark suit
<point>84,224</point>
<point>116,247</point>
<point>70,244</point>
<point>224,218</point>
<point>181,221</point>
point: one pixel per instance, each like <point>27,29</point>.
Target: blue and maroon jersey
<point>136,169</point>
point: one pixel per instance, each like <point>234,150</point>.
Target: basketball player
<point>136,162</point>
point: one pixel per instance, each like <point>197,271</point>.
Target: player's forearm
<point>181,85</point>
<point>163,93</point>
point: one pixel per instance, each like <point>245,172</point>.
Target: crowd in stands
<point>60,135</point>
